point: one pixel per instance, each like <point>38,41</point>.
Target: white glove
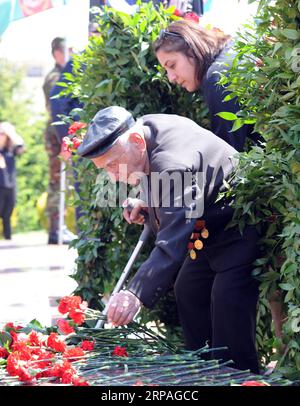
<point>123,307</point>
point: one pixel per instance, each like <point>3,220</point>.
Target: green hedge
<point>266,80</point>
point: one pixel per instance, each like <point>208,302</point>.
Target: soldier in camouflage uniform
<point>52,141</point>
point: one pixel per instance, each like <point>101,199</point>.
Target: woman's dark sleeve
<point>213,95</point>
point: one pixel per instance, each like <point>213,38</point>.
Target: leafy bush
<point>266,80</point>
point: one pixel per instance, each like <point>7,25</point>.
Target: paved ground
<point>33,275</point>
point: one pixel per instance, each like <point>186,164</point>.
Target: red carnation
<point>192,16</point>
<point>119,352</point>
<point>10,326</point>
<point>16,362</point>
<point>79,382</point>
<point>77,316</point>
<point>59,368</point>
<point>41,358</point>
<point>254,383</point>
<point>56,343</point>
<point>76,142</point>
<point>75,353</point>
<point>66,146</point>
<point>36,339</point>
<point>177,12</point>
<point>12,366</point>
<point>87,345</point>
<point>4,353</point>
<point>64,326</point>
<point>68,303</point>
<point>139,383</point>
<point>24,374</point>
<point>20,341</point>
<point>67,376</point>
<point>77,125</point>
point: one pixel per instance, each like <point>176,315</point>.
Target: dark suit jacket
<point>177,146</point>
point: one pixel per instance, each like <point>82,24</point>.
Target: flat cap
<point>104,130</point>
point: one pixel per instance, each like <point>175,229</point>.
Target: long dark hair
<point>188,37</point>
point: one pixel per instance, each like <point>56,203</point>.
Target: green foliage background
<point>32,166</point>
<point>266,80</point>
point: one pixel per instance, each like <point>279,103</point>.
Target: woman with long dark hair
<point>194,58</point>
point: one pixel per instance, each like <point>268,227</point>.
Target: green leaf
<point>5,338</point>
<point>237,125</point>
<point>291,34</point>
<point>104,87</point>
<point>33,325</point>
<point>246,208</point>
<point>277,46</point>
<point>123,60</point>
<point>289,296</point>
<point>227,115</point>
<point>60,84</point>
<point>143,25</point>
<point>229,97</point>
<point>295,325</point>
<point>286,286</point>
<point>288,96</point>
<point>112,51</point>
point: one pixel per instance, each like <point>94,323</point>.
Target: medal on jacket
<point>195,243</point>
<point>193,254</point>
<point>198,244</point>
<point>204,233</point>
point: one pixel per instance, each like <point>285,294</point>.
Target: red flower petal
<point>119,352</point>
<point>56,343</point>
<point>64,326</point>
<point>87,345</point>
<point>3,353</point>
<point>192,16</point>
<point>68,303</point>
<point>254,383</point>
<point>75,353</point>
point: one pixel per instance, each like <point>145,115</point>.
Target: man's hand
<point>134,215</point>
<point>123,308</point>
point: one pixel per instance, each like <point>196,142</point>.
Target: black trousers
<point>7,204</point>
<point>217,298</point>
